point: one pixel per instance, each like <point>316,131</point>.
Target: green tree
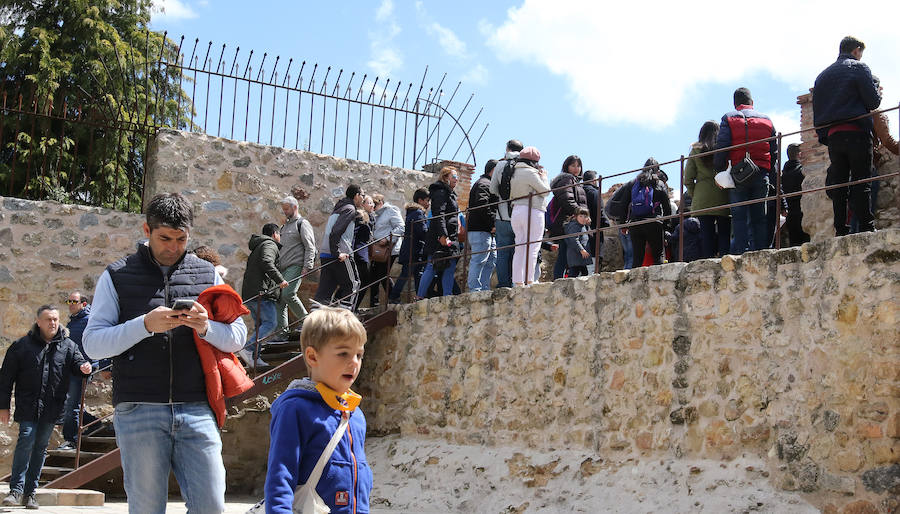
<point>88,77</point>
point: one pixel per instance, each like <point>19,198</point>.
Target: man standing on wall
<point>296,256</point>
<point>79,311</point>
<point>335,251</point>
<point>742,125</point>
<point>39,365</point>
<point>503,227</point>
<point>480,225</point>
<point>842,92</point>
<point>163,420</point>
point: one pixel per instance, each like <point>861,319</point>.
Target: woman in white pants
<point>529,177</point>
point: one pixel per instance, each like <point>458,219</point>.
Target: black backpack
<point>506,182</point>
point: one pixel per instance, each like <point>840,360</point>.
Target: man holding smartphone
<point>162,419</point>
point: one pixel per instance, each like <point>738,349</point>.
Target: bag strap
<point>746,132</point>
<point>326,453</point>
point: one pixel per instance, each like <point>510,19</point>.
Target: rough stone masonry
<point>790,356</point>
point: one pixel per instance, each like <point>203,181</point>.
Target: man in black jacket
<point>163,420</point>
<point>79,312</point>
<point>39,366</point>
<point>261,289</point>
<point>844,91</point>
<point>598,217</point>
<point>480,227</point>
<point>791,182</point>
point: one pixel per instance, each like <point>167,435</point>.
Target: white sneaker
<point>261,363</point>
<point>245,355</point>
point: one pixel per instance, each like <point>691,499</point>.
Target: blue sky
<point>613,84</point>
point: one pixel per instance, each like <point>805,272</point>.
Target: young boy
<point>577,255</point>
<point>308,413</point>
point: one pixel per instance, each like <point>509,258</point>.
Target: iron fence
<point>90,146</point>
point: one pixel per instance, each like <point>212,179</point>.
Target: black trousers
<point>651,233</point>
<point>378,271</point>
<point>851,159</point>
<point>338,279</point>
<point>794,223</point>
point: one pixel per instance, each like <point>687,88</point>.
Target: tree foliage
<point>83,85</point>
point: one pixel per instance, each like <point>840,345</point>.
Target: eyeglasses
<point>72,302</point>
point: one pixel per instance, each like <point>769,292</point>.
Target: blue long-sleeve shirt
<point>105,337</point>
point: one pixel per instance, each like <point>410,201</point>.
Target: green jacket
<point>262,269</point>
<point>700,181</point>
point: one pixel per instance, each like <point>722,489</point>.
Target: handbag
<point>380,251</point>
<point>745,170</point>
<point>306,500</point>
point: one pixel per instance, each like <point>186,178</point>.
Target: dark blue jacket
<point>76,325</point>
<point>414,234</point>
<point>732,131</point>
<point>842,91</point>
<point>691,239</point>
<point>302,424</point>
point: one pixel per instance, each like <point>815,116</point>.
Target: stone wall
<point>236,188</point>
<point>818,216</point>
<point>790,356</point>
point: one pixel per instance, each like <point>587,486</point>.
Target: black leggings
<point>641,235</point>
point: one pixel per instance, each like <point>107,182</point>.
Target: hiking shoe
<point>67,445</point>
<point>12,499</point>
<point>31,502</point>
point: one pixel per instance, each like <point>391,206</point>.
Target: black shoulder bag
<point>744,171</point>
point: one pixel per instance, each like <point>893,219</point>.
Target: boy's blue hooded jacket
<point>302,424</point>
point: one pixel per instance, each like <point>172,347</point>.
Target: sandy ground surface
<point>422,476</point>
<point>431,477</point>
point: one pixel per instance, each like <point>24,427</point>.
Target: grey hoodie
<point>298,247</point>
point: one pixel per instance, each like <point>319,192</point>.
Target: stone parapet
<point>788,355</point>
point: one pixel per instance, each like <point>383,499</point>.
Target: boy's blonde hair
<point>326,324</point>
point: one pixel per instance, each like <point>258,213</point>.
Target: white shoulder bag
<point>306,500</point>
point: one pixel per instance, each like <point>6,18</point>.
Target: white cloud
<point>786,122</point>
<point>173,10</point>
<point>450,43</point>
<point>385,11</point>
<point>385,57</point>
<point>477,75</point>
<point>616,57</point>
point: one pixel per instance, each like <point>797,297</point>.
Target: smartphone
<point>183,304</point>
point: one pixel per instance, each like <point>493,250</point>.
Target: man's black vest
<point>162,368</point>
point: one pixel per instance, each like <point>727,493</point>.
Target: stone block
<point>869,430</point>
<point>850,460</point>
<point>860,507</point>
<point>838,484</point>
<point>886,478</point>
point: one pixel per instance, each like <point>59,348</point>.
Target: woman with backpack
<point>362,236</point>
<point>443,230</point>
<point>565,204</point>
<point>647,198</point>
<point>527,218</point>
<point>700,181</point>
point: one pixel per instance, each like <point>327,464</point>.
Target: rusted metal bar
<point>681,211</point>
<point>778,196</point>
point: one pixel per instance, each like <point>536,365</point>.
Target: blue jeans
<point>400,283</point>
<point>446,278</point>
<point>481,265</point>
<point>715,235</point>
<point>158,438</point>
<point>266,320</point>
<point>28,458</point>
<point>505,236</point>
<point>73,408</point>
<point>562,258</point>
<point>627,249</point>
<point>748,222</point>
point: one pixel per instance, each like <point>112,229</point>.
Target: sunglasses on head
<point>72,302</point>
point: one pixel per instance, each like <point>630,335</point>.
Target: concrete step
<point>63,497</point>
